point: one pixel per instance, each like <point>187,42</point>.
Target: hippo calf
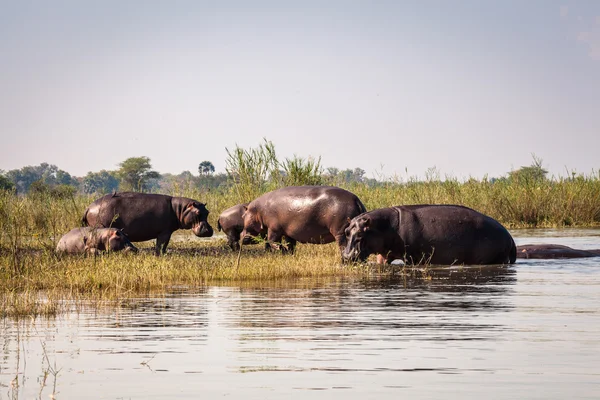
<point>553,251</point>
<point>145,216</point>
<point>305,214</point>
<point>232,224</point>
<point>435,234</point>
<point>92,240</point>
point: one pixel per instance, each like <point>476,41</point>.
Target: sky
<point>470,88</point>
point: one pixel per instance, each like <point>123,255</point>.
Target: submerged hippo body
<point>92,240</point>
<point>305,214</point>
<point>553,251</point>
<point>232,224</point>
<point>436,234</point>
<point>148,216</point>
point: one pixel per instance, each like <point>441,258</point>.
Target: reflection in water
<point>382,304</point>
<point>531,328</point>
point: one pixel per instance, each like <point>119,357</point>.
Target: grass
<point>44,280</point>
<point>34,281</point>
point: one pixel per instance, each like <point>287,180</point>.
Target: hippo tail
<point>512,257</point>
<point>84,221</point>
<point>361,206</point>
<point>219,225</point>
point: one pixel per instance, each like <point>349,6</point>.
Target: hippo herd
<point>415,234</point>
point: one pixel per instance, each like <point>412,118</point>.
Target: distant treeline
<point>136,174</point>
<point>526,197</point>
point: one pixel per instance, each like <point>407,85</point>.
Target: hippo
<point>91,241</point>
<point>232,224</point>
<point>144,216</point>
<point>429,234</point>
<point>553,251</point>
<point>305,214</point>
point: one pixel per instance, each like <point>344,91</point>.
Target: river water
<point>527,331</point>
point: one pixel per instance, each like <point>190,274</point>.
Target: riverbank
<point>30,227</point>
<point>112,277</point>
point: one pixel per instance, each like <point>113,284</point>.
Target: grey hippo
<point>435,234</point>
<point>91,241</point>
<point>553,251</point>
<point>305,214</point>
<point>145,216</point>
<point>232,224</point>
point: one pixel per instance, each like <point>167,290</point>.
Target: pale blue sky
<point>470,87</point>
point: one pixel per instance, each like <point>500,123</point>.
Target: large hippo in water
<point>145,216</point>
<point>435,234</point>
<point>232,224</point>
<point>553,251</point>
<point>92,240</point>
<point>305,214</point>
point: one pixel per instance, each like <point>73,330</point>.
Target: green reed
<point>516,204</point>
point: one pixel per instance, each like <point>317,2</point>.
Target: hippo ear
<point>366,224</point>
<point>259,220</point>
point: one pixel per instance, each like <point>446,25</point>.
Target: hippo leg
<point>233,239</point>
<point>162,241</point>
<point>291,246</point>
<point>274,240</point>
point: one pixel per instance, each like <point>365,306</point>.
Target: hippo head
<point>195,216</point>
<point>253,226</point>
<point>357,234</point>
<point>117,240</point>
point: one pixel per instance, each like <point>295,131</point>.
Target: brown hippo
<point>553,251</point>
<point>305,214</point>
<point>435,234</point>
<point>232,224</point>
<point>92,240</point>
<point>145,216</point>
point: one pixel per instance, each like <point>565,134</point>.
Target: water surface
<point>527,331</point>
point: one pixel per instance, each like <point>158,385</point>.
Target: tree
<point>5,183</point>
<point>206,168</point>
<point>100,182</point>
<point>42,189</point>
<point>173,184</point>
<point>532,173</point>
<point>47,174</point>
<point>333,171</point>
<point>136,174</point>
